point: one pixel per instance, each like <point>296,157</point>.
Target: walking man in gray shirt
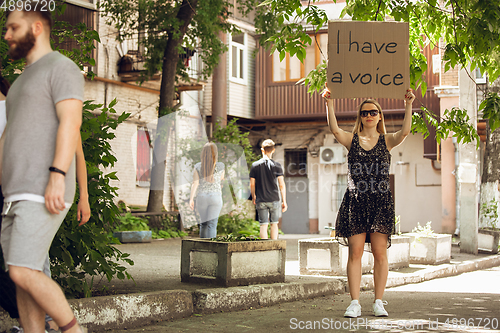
<point>265,175</point>
<point>37,149</point>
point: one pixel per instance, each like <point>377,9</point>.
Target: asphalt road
<point>465,303</point>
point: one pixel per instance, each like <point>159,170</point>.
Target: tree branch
<point>378,10</point>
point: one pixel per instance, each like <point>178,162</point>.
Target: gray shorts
<point>27,232</point>
<point>269,211</point>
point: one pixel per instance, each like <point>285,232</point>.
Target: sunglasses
<point>365,113</point>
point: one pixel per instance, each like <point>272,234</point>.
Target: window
<point>238,58</point>
<point>291,69</point>
<point>144,151</point>
<point>480,77</point>
<point>296,163</point>
<point>83,3</point>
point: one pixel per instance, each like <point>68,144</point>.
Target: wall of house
<point>417,184</point>
<point>240,97</point>
<point>417,190</point>
<point>141,104</point>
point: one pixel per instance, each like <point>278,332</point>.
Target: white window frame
<point>480,77</point>
<point>245,59</point>
<point>83,4</point>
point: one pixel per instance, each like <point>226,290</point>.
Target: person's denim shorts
<point>269,211</point>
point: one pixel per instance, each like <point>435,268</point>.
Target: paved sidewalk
<point>158,294</point>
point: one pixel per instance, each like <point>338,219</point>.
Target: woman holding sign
<point>366,214</point>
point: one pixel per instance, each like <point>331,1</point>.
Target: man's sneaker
<point>378,308</point>
<point>354,309</point>
<point>48,329</point>
<point>51,330</point>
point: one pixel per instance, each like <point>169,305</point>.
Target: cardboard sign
<point>368,59</point>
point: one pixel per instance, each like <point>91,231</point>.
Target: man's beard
<point>23,46</point>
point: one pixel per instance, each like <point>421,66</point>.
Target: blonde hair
<point>358,125</point>
<point>208,161</point>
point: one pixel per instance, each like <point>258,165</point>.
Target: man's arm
<point>281,181</point>
<point>83,211</point>
<point>69,113</point>
<point>252,189</point>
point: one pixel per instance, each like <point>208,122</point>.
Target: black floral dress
<point>367,206</point>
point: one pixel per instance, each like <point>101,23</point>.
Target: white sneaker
<point>378,308</point>
<point>354,309</point>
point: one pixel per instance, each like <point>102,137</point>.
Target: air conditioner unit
<point>331,155</point>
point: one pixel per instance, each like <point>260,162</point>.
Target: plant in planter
<point>489,234</point>
<point>132,229</point>
<point>428,247</point>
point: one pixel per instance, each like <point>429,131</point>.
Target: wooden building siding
<point>287,101</point>
<point>431,101</point>
<point>74,15</point>
<point>241,97</point>
<point>207,98</point>
<point>280,101</point>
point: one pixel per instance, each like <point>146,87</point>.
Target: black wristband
<point>54,169</point>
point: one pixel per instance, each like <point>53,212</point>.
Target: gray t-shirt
<point>32,124</point>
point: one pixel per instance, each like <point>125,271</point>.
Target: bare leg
<point>274,231</point>
<point>381,265</point>
<point>31,316</point>
<point>263,231</point>
<point>39,295</point>
<point>356,248</point>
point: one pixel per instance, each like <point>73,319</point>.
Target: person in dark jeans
<point>7,287</point>
<point>266,184</point>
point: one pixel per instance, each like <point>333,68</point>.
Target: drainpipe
<point>457,189</point>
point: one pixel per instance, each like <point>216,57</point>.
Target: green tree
<point>169,29</point>
<point>470,30</point>
<point>79,252</point>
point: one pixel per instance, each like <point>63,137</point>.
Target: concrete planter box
<point>325,256</point>
<point>133,236</point>
<point>398,254</point>
<point>233,263</point>
<point>429,250</point>
<point>487,240</point>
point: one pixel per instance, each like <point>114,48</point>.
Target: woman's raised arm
<point>394,139</point>
<point>343,137</point>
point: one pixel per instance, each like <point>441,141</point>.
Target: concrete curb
<point>124,311</point>
<point>134,310</point>
<point>239,298</point>
<point>440,271</point>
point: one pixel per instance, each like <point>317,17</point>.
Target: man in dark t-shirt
<point>265,177</point>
